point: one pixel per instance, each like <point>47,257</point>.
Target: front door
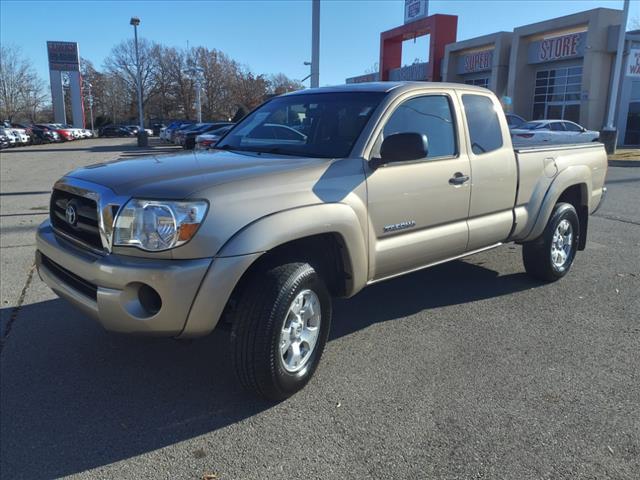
<point>418,214</point>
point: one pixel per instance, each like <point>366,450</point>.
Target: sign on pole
<point>633,63</point>
<point>63,56</point>
<point>415,9</point>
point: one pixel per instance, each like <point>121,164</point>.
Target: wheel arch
<point>322,234</point>
<point>573,185</point>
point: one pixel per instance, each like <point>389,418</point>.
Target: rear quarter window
<point>483,122</point>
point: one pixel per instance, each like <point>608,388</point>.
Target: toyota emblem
<point>71,215</point>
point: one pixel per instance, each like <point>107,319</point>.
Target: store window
<point>557,94</point>
<point>632,135</point>
<point>478,82</point>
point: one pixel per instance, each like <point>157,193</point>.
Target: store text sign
<point>557,48</point>
<point>633,63</point>
<point>475,62</point>
<point>63,56</point>
<point>415,10</point>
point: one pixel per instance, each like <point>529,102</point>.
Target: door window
<point>429,115</point>
<point>556,127</point>
<point>571,127</point>
<point>484,126</point>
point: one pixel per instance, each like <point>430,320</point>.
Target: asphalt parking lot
<point>467,370</point>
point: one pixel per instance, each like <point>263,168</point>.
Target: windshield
<point>311,125</point>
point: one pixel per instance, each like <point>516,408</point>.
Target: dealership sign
<point>633,63</point>
<point>415,9</point>
<point>557,48</point>
<point>475,62</point>
<point>63,56</point>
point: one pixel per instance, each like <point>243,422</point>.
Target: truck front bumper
<point>176,298</point>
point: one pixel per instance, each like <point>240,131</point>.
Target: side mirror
<point>403,147</point>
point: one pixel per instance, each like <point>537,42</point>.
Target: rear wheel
<point>550,257</point>
<point>280,329</point>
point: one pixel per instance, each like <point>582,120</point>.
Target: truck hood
<point>181,176</point>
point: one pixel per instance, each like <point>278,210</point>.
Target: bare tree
<point>22,92</point>
<point>122,62</point>
<point>280,83</point>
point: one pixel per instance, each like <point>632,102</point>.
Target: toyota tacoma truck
<point>315,194</point>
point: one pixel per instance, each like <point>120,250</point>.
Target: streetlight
<point>88,86</point>
<point>307,64</point>
<point>142,135</point>
<point>196,73</point>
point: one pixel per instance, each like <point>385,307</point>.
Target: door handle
<point>458,178</point>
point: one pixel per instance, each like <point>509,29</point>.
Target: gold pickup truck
<point>314,195</point>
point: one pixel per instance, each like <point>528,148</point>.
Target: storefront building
<point>556,69</point>
<point>628,112</point>
<point>562,68</point>
<point>482,61</point>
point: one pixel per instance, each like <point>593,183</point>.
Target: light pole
<point>196,73</point>
<point>315,43</point>
<point>88,87</point>
<point>142,135</point>
<point>308,64</point>
<point>609,134</point>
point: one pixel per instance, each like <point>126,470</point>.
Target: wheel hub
<point>561,244</point>
<point>300,331</point>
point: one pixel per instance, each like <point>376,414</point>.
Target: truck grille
<point>85,228</point>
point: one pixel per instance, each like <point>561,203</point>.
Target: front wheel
<point>550,257</point>
<point>280,329</point>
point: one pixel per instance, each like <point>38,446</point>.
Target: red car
<point>65,135</point>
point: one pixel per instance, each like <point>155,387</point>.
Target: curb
<point>624,163</point>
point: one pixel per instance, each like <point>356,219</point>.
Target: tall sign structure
<point>64,57</point>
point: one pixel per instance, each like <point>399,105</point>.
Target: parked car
<point>188,139</point>
<point>269,232</point>
<point>552,132</point>
<point>514,121</point>
<point>171,133</point>
<point>206,141</point>
<point>24,127</point>
<point>180,134</point>
<point>165,133</point>
<point>156,128</point>
<point>11,137</point>
<point>66,134</point>
<point>42,134</point>
<point>21,136</point>
<point>4,140</point>
<point>115,131</point>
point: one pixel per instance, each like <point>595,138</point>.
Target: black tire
<point>259,318</point>
<point>536,255</point>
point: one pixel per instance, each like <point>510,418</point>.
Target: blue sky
<point>267,36</point>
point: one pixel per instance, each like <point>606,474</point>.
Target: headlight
<point>155,225</point>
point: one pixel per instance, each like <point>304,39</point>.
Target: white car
<point>8,132</point>
<point>554,132</point>
<point>21,136</point>
<point>206,141</point>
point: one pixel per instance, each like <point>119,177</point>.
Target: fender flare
<point>569,177</point>
<point>273,230</point>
